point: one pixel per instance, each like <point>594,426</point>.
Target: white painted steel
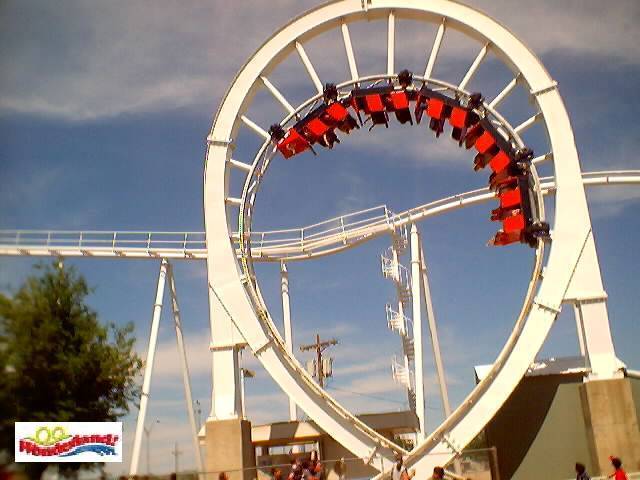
<point>255,127</point>
<point>571,232</point>
<point>416,284</point>
<point>433,331</point>
<point>528,123</point>
<point>586,288</point>
<point>351,59</point>
<point>571,267</point>
<point>397,278</point>
<point>277,95</point>
<point>240,165</point>
<point>309,67</point>
<point>288,333</point>
<point>542,158</point>
<point>264,249</point>
<point>235,201</point>
<point>435,49</point>
<point>184,367</point>
<point>148,369</point>
<point>504,93</point>
<point>579,328</point>
<point>391,42</point>
<point>474,67</point>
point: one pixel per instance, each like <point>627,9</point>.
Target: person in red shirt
<point>618,473</point>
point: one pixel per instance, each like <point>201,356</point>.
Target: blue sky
<point>104,108</point>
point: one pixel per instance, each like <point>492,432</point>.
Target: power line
<point>176,453</point>
<point>375,397</point>
<point>366,395</point>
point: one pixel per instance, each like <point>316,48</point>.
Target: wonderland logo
<point>48,442</point>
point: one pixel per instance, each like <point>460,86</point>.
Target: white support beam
<point>579,328</point>
<point>309,66</point>
<point>474,67</point>
<point>277,95</point>
<point>148,369</point>
<point>506,91</point>
<point>417,330</point>
<point>435,342</point>
<point>391,41</point>
<point>434,50</point>
<point>542,158</point>
<point>288,334</point>
<point>255,127</point>
<point>240,165</point>
<point>233,201</point>
<point>587,290</point>
<point>184,366</point>
<point>242,397</point>
<point>528,123</point>
<point>346,38</point>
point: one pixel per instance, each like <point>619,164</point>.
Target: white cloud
<point>102,60</point>
<point>167,369</point>
<point>612,201</point>
<point>33,188</point>
<point>574,25</point>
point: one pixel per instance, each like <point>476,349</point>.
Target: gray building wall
<point>635,391</point>
<point>540,432</point>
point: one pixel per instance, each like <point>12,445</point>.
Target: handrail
<point>305,245</point>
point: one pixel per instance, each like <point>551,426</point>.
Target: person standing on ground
<point>618,473</point>
<point>296,469</point>
<point>438,473</point>
<point>340,469</point>
<point>276,473</point>
<point>315,466</point>
<point>581,472</point>
<point>399,471</point>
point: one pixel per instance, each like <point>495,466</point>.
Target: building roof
<point>548,366</point>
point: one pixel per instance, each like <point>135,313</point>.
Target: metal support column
<point>244,407</point>
<point>288,335</point>
<point>226,344</point>
<point>185,372</point>
<point>579,328</point>
<point>435,343</point>
<point>587,291</point>
<point>148,368</point>
<point>417,328</point>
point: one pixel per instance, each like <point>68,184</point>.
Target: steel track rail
<point>37,243</point>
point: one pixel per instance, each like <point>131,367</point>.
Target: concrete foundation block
<point>612,423</point>
<point>229,449</point>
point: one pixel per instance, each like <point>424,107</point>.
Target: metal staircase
<point>401,374</point>
<point>393,270</point>
<point>397,321</point>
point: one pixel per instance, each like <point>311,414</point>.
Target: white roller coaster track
<point>233,286</point>
<point>291,244</point>
<point>233,289</point>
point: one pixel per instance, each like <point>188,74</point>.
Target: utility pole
<point>176,453</point>
<point>147,432</point>
<point>319,346</point>
<point>198,411</point>
<point>244,373</point>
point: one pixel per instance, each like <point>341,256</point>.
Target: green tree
<point>57,361</point>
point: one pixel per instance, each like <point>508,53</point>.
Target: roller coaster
<point>564,250</point>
